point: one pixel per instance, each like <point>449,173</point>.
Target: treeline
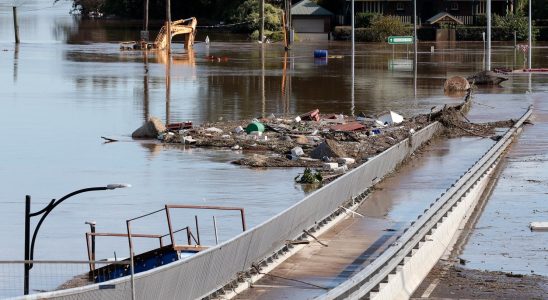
<point>208,11</point>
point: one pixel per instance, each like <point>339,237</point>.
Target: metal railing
<point>211,269</point>
<point>50,275</point>
<point>372,275</point>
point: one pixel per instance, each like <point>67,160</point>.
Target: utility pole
<point>15,25</point>
<point>144,35</point>
<point>488,67</point>
<point>530,48</point>
<point>415,45</point>
<point>168,27</point>
<point>261,12</point>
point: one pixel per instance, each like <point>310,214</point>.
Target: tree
<point>385,26</point>
<point>248,14</point>
<point>513,22</point>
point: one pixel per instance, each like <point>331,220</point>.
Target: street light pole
<point>488,8</point>
<point>530,48</point>
<point>29,245</point>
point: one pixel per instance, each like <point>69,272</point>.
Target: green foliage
<point>385,26</point>
<point>365,19</point>
<point>248,13</point>
<point>510,23</point>
<point>309,177</point>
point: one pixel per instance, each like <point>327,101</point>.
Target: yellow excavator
<point>185,26</point>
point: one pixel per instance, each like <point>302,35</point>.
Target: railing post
<point>15,26</point>
<point>27,245</point>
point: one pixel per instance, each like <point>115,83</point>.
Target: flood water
<point>67,84</point>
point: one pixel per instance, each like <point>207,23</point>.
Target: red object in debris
<point>352,126</point>
<point>331,117</point>
<point>311,116</point>
<point>179,126</point>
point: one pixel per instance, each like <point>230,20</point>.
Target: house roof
<point>444,17</point>
<point>309,8</point>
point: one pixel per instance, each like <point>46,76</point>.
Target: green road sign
<point>400,40</point>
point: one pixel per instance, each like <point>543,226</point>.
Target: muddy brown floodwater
<point>67,84</point>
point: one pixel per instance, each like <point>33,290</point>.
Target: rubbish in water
<point>311,116</point>
<point>236,147</point>
<point>297,119</point>
<point>390,118</point>
<point>207,40</point>
<point>109,140</point>
<point>297,152</point>
<point>179,126</point>
<point>487,78</point>
<point>188,140</point>
<point>320,54</point>
<point>238,129</point>
<point>214,130</point>
<point>256,133</point>
<point>346,160</point>
<point>330,166</point>
<point>254,126</point>
<point>352,126</point>
<point>329,148</point>
<point>538,226</point>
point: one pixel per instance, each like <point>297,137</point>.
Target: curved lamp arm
<point>53,203</point>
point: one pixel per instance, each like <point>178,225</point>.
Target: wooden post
<point>168,25</point>
<point>15,25</point>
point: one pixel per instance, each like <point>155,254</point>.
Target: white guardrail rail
<point>368,283</point>
<point>209,271</point>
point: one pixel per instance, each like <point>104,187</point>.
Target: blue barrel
<point>320,53</point>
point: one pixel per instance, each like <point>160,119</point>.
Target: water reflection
<point>146,102</point>
<point>15,62</point>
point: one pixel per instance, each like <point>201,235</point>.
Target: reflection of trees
<point>90,30</point>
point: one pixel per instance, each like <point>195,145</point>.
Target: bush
<point>510,23</point>
<point>365,19</point>
<point>465,33</point>
<point>385,26</point>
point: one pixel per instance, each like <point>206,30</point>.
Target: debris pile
<point>333,143</point>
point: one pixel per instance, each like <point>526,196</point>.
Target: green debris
<point>309,177</point>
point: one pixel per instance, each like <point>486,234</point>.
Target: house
<point>311,21</point>
<point>467,11</point>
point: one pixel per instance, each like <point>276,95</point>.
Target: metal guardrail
<point>210,270</point>
<point>371,276</point>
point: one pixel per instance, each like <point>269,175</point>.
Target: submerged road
<point>389,209</point>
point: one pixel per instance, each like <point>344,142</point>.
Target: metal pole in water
<point>353,57</point>
<point>215,229</point>
<point>131,260</point>
<point>530,48</point>
<point>415,45</point>
<point>488,66</point>
<point>15,25</point>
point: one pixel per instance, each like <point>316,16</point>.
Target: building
<point>466,11</point>
<point>311,21</point>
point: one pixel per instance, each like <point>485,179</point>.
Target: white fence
<point>210,270</point>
